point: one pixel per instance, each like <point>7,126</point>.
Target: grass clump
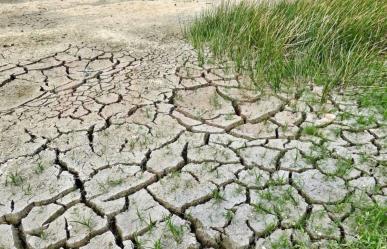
<point>326,42</point>
<point>177,231</point>
<point>311,130</point>
<point>14,179</point>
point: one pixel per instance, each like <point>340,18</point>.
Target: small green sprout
<point>176,231</point>
<point>39,168</point>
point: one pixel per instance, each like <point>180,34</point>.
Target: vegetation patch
<point>371,228</point>
<point>334,43</point>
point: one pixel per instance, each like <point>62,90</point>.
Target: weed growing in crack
<point>104,186</point>
<point>339,207</point>
<point>139,243</point>
<point>324,109</point>
<point>188,184</point>
<point>279,202</point>
<point>143,141</point>
<point>208,167</point>
<point>151,224</point>
<point>148,113</point>
<point>239,190</point>
<point>317,152</point>
<point>14,179</point>
<point>175,174</point>
<point>200,113</point>
<point>343,167</point>
<point>280,180</point>
<point>376,189</point>
<point>177,231</point>
<point>114,182</point>
<point>214,101</point>
<point>288,196</point>
<point>337,132</point>
<point>282,242</point>
<point>173,187</point>
<point>131,144</point>
<point>258,178</point>
<point>331,230</point>
<point>285,128</point>
<point>311,130</point>
<point>189,216</point>
<point>259,208</point>
<point>344,115</point>
<point>311,98</point>
<point>157,244</point>
<point>39,168</point>
<point>201,58</point>
<point>229,116</point>
<point>178,97</point>
<point>365,158</point>
<point>217,174</point>
<point>43,235</point>
<point>217,196</point>
<point>228,215</point>
<point>365,121</point>
<point>267,195</point>
<point>84,221</point>
<point>140,216</point>
<point>27,189</point>
<point>225,155</point>
<point>168,151</point>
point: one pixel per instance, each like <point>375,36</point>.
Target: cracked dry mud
<point>131,146</point>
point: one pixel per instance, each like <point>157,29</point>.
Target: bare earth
<point>113,136</point>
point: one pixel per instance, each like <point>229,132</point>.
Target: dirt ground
<point>113,135</point>
<point>35,28</point>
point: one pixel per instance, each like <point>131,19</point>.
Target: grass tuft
<point>177,231</point>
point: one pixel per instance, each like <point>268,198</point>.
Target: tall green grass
<point>326,42</point>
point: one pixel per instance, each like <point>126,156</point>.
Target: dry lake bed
<point>113,135</point>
